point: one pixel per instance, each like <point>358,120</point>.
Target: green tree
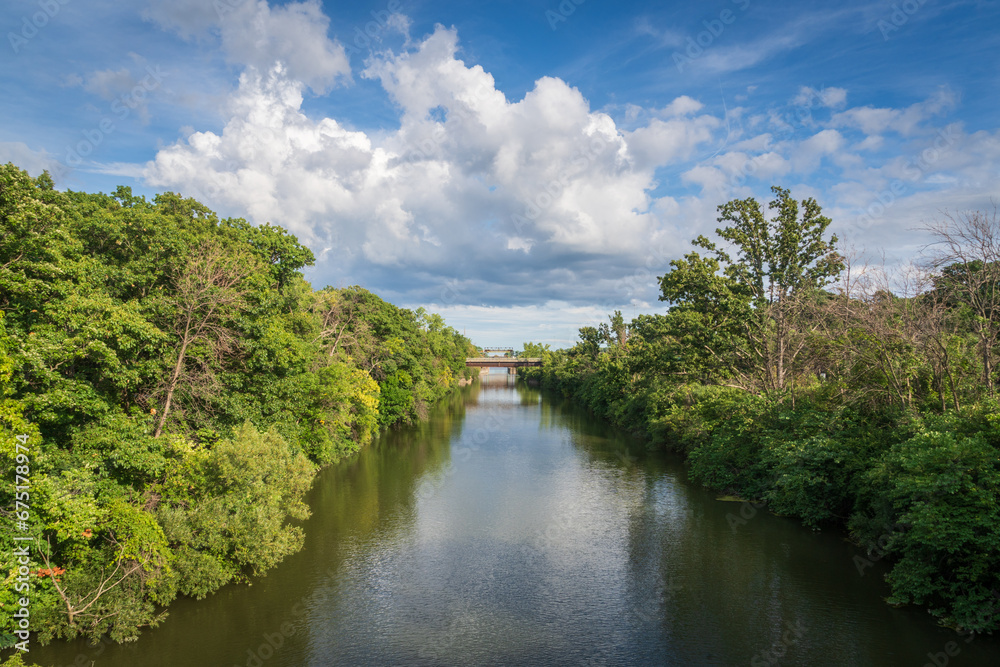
<point>225,511</point>
<point>133,335</point>
<point>752,298</point>
<point>207,294</point>
<point>945,488</point>
<point>109,587</point>
<point>967,253</point>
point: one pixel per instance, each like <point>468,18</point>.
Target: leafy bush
<point>134,334</point>
<point>945,489</point>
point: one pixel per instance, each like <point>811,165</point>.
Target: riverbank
<point>854,396</point>
<point>917,491</point>
<point>169,386</point>
<point>512,527</point>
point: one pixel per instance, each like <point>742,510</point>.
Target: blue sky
<point>523,168</point>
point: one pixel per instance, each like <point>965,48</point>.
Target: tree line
<point>179,383</point>
<point>845,393</point>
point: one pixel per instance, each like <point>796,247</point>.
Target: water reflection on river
<point>513,529</point>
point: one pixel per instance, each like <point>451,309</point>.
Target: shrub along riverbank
<point>174,384</point>
<point>843,397</point>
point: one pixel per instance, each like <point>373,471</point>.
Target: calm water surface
<point>513,529</point>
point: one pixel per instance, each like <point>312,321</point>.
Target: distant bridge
<point>503,362</point>
<point>510,363</point>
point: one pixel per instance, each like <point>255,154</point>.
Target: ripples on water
<point>513,529</point>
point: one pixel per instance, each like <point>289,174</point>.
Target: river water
<point>513,529</point>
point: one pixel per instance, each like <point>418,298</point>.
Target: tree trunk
<point>178,367</point>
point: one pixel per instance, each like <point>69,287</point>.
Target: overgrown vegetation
<point>842,395</point>
<point>179,383</point>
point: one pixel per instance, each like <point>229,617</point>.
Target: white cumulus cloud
<point>479,199</point>
<point>253,33</point>
<point>467,171</point>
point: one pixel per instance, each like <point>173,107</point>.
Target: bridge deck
<point>502,362</point>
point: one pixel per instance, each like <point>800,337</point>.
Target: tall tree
<point>207,294</point>
<point>967,252</point>
<point>752,298</point>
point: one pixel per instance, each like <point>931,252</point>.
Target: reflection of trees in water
<point>375,490</point>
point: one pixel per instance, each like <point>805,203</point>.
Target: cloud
<point>883,205</point>
<point>682,106</point>
<point>254,34</point>
<point>188,18</point>
<point>32,161</point>
<point>872,120</point>
<point>468,175</point>
<point>552,322</point>
<point>806,155</point>
<point>109,84</point>
<point>726,175</point>
<point>790,30</point>
<point>127,86</point>
<point>665,142</point>
<point>720,59</point>
<point>270,160</point>
<point>872,142</point>
<point>479,199</point>
<point>833,98</point>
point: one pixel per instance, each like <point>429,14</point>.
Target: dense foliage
<point>865,403</point>
<point>178,383</point>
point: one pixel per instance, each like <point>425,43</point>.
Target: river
<point>511,528</point>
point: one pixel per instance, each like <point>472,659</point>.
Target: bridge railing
<point>503,361</point>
